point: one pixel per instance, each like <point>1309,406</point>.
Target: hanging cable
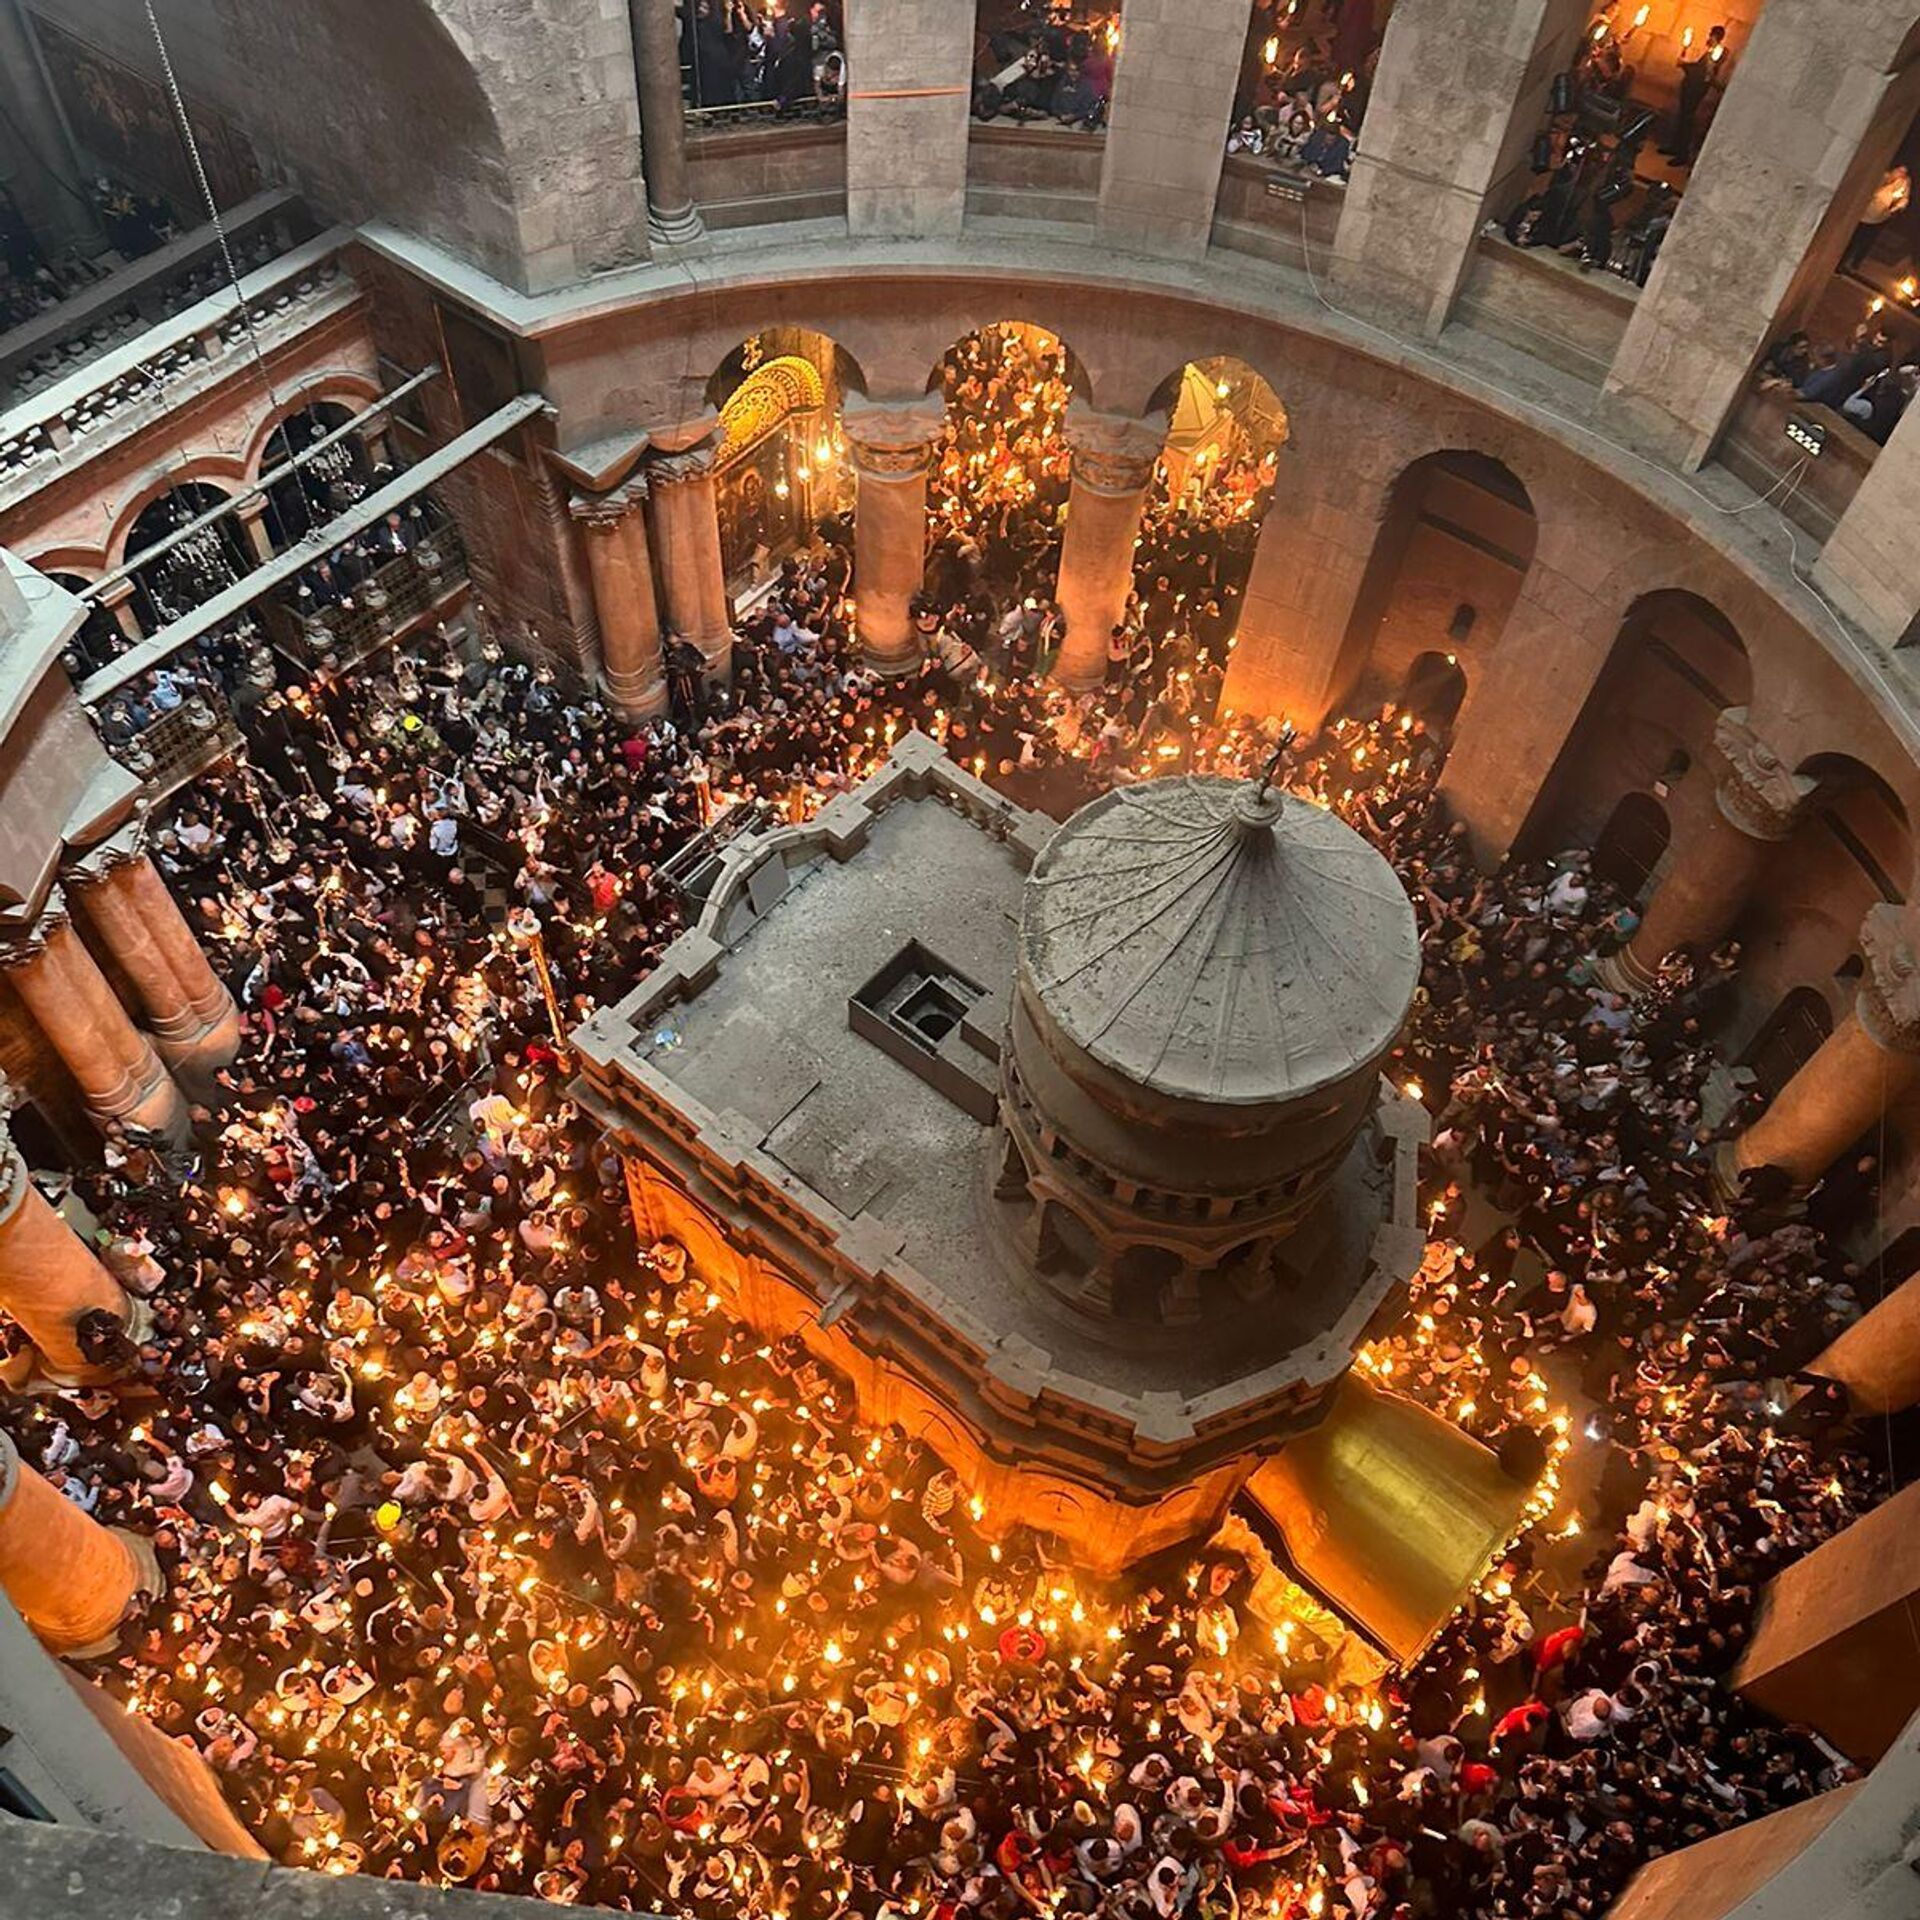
<point>188,139</point>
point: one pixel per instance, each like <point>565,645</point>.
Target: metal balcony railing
<point>409,589</point>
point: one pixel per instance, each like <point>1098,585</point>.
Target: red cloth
<point>1476,1776</point>
<point>1523,1719</point>
<point>1556,1649</point>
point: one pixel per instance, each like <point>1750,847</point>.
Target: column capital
<point>692,463</point>
<point>893,439</point>
<point>1757,794</point>
<point>99,863</point>
<point>28,945</point>
<point>603,512</point>
<point>1113,453</point>
<point>1888,1003</point>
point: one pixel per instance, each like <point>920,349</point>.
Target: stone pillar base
<point>1622,973</point>
<point>675,227</point>
<point>635,697</point>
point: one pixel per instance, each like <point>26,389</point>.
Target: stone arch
<point>225,473</point>
<point>353,391</point>
<point>1457,533</point>
<point>395,71</point>
<point>1676,663</point>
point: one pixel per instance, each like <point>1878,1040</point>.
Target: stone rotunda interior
<point>957,958</point>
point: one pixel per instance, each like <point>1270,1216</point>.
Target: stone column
<point>1870,566</point>
<point>114,1065</point>
<point>614,531</point>
<point>49,1277</point>
<point>188,1010</point>
<point>1757,805</point>
<point>892,446</point>
<point>1868,1062</point>
<point>1832,1644</point>
<point>1516,719</point>
<point>374,443</point>
<point>908,116</point>
<point>672,218</point>
<point>1113,461</point>
<point>118,601</point>
<point>73,1580</point>
<point>1764,221</point>
<point>1172,104</point>
<point>686,519</point>
<point>1877,1359</point>
<point>1309,564</point>
<point>1459,93</point>
<point>252,516</point>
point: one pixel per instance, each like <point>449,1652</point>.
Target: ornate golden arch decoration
<point>771,394</point>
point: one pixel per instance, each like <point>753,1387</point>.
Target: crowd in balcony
<point>1305,83</point>
<point>784,54</point>
<point>1045,62</point>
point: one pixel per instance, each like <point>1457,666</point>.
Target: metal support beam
<point>237,598</point>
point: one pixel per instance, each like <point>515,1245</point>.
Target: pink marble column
<point>189,1012</point>
<point>113,1063</point>
<point>49,1277</point>
<point>1757,805</point>
<point>73,1580</point>
<point>613,529</point>
<point>686,525</point>
<point>1871,1060</point>
<point>892,444</point>
<point>1113,462</point>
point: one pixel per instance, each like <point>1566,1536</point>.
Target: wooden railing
<point>183,743</point>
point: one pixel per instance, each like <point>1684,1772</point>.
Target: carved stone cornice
<point>1113,453</point>
<point>1888,1003</point>
<point>1758,794</point>
<point>893,440</point>
<point>115,854</point>
<point>676,469</point>
<point>25,947</point>
<point>603,512</point>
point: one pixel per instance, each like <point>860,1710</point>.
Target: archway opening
<point>1211,491</point>
<point>1676,665</point>
<point>1306,73</point>
<point>190,572</point>
<point>1434,691</point>
<point>1789,1037</point>
<point>1001,475</point>
<point>99,642</point>
<point>325,481</point>
<point>1632,844</point>
<point>1455,541</point>
<point>783,471</point>
<point>741,67</point>
<point>1049,67</point>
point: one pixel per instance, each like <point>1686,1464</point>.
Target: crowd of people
<point>1042,60</point>
<point>787,54</point>
<point>1865,378</point>
<point>1305,83</point>
<point>500,1554</point>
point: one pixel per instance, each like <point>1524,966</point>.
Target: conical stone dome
<point>1218,944</point>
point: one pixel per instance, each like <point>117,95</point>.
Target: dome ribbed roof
<point>1217,944</point>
